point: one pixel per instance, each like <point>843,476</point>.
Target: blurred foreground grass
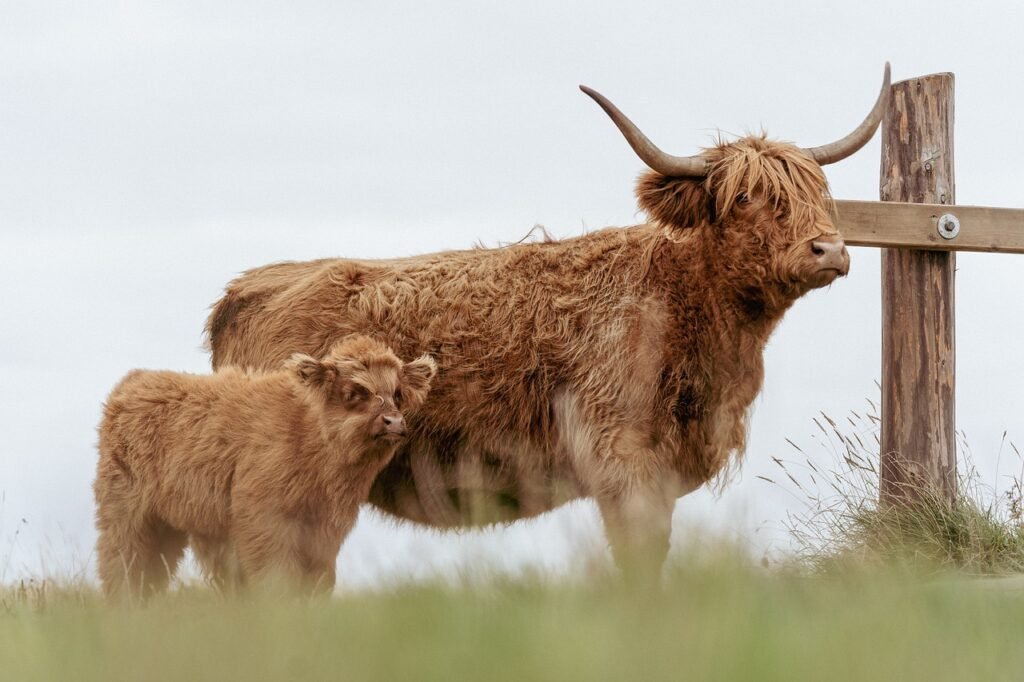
<point>719,620</point>
<point>871,592</point>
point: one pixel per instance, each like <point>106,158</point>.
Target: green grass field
<point>720,620</point>
<point>870,592</point>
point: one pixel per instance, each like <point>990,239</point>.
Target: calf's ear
<point>676,202</point>
<point>416,378</point>
<point>311,371</point>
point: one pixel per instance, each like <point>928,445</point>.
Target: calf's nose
<point>393,423</point>
<point>831,254</point>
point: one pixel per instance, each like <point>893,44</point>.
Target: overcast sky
<point>151,151</point>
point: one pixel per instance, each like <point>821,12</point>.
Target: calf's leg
<point>137,557</point>
<point>319,577</point>
<point>217,558</point>
<point>269,553</point>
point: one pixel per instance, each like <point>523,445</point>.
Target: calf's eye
<point>358,393</point>
<point>742,198</point>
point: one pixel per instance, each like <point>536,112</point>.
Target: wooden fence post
<point>918,440</point>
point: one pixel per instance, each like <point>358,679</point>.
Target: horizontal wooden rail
<point>915,226</point>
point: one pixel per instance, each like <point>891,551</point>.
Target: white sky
<point>151,151</point>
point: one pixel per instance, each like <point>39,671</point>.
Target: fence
<point>920,229</point>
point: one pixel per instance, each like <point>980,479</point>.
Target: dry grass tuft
<point>843,526</point>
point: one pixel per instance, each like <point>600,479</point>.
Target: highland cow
<point>262,474</point>
<point>618,365</point>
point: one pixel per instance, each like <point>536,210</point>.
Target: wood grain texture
<point>918,440</point>
<point>914,226</point>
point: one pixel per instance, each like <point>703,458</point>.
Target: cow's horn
<point>666,164</point>
<point>840,149</point>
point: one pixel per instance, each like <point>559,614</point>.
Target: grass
<point>872,593</point>
<point>720,620</point>
<point>841,524</point>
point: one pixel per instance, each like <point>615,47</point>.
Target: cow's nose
<point>831,254</point>
<point>393,423</point>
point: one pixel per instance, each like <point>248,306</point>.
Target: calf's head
<point>763,205</point>
<point>363,388</point>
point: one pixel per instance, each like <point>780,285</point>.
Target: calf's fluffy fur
<point>262,473</point>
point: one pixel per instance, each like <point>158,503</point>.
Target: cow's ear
<point>676,202</point>
<point>310,371</point>
<point>416,378</point>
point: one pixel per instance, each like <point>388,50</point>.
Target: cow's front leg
<point>638,523</point>
<point>615,459</point>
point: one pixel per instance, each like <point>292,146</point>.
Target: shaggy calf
<point>262,473</point>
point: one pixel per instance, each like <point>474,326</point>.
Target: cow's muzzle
<point>830,254</point>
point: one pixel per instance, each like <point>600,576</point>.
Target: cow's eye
<point>742,199</point>
<point>398,396</point>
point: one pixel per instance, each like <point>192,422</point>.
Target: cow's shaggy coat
<point>262,473</point>
<point>618,365</point>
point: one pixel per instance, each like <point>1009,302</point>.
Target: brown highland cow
<point>262,473</point>
<point>618,365</point>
